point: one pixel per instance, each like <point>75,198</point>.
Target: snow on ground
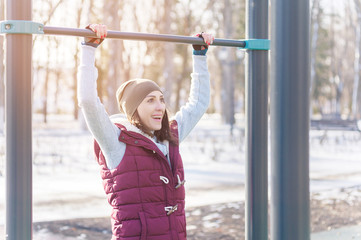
<point>66,181</point>
<point>335,160</point>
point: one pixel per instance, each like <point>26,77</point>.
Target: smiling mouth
<point>158,118</point>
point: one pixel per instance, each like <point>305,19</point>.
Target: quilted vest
<point>146,194</point>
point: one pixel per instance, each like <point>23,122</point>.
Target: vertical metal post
<point>18,130</point>
<point>290,74</point>
<point>257,124</point>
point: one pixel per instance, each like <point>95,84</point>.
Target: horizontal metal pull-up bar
<point>142,36</point>
<point>29,27</point>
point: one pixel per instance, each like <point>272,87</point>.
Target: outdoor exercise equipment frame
<point>289,115</point>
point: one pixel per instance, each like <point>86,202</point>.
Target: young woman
<point>141,167</point>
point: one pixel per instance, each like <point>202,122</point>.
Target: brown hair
<point>163,134</point>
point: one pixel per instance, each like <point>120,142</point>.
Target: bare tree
<point>227,58</point>
<point>113,12</point>
<point>57,72</point>
<point>49,14</point>
<point>45,88</point>
<point>76,63</point>
<point>168,68</point>
<point>227,71</point>
<point>315,25</point>
<point>46,66</point>
<point>185,27</point>
<point>2,74</point>
<point>336,70</point>
<point>343,78</point>
<point>357,63</point>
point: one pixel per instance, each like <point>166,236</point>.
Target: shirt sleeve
<point>105,132</point>
<point>189,115</point>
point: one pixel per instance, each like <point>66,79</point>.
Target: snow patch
<point>67,184</point>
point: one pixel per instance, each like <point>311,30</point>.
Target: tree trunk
<point>168,69</point>
<point>2,80</point>
<point>315,23</point>
<point>227,92</point>
<point>76,65</point>
<point>115,75</point>
<point>357,63</point>
<point>57,73</point>
<point>45,89</point>
<point>185,27</point>
<point>333,76</point>
<point>184,75</point>
<point>228,69</point>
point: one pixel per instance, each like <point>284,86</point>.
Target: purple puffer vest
<point>147,195</point>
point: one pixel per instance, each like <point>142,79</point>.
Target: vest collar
<point>120,119</point>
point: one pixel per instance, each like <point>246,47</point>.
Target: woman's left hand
<point>208,38</point>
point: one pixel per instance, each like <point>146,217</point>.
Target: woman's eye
<point>162,100</point>
<point>150,100</point>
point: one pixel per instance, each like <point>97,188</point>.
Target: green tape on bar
<point>21,27</point>
<point>257,44</point>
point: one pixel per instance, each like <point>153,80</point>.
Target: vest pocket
<point>143,222</point>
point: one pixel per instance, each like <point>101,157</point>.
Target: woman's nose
<point>160,105</point>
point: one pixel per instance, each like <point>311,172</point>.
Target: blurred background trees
<point>335,62</point>
<point>335,53</point>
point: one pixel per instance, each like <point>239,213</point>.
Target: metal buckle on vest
<point>171,209</point>
<point>180,183</point>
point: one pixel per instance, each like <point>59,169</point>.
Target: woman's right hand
<point>101,32</point>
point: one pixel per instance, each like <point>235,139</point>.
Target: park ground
<point>216,221</point>
<point>69,202</point>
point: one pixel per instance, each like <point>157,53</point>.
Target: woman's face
<point>151,110</point>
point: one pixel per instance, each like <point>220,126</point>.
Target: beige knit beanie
<point>131,93</point>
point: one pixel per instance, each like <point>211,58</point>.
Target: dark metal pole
<point>142,36</point>
<point>18,122</point>
<point>290,73</point>
<point>257,124</point>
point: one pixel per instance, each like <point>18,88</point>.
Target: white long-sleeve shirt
<point>102,126</point>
